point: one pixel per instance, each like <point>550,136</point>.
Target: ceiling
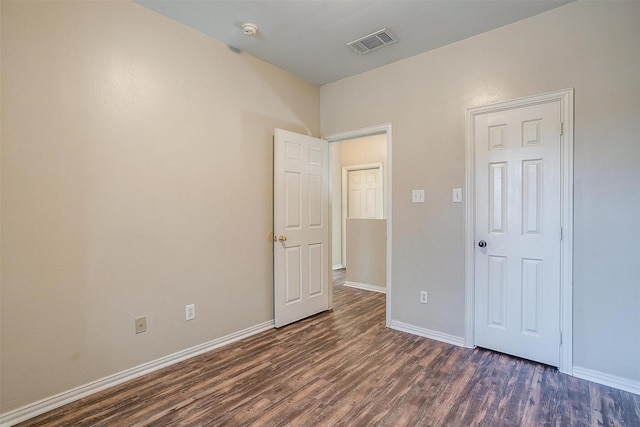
<point>309,37</point>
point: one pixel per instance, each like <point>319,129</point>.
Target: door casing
<point>565,97</point>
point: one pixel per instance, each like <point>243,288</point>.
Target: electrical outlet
<point>141,324</point>
<point>190,311</point>
<point>423,297</point>
<point>417,196</point>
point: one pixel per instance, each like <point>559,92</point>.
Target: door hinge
<point>561,233</point>
<point>560,338</point>
<point>561,128</point>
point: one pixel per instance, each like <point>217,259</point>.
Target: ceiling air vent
<point>372,42</point>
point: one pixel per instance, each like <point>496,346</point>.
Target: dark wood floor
<point>344,368</point>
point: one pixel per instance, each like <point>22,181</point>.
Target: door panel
<point>498,197</point>
<point>365,193</point>
<point>532,196</point>
<point>316,264</point>
<point>531,295</point>
<point>301,254</point>
<point>496,288</point>
<point>517,274</point>
<point>293,274</point>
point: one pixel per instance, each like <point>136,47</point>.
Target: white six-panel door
<point>301,249</point>
<point>365,195</point>
<point>518,219</point>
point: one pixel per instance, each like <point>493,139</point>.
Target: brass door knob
<point>282,238</point>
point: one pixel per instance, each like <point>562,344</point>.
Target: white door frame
<point>360,133</point>
<point>345,199</point>
<point>565,97</point>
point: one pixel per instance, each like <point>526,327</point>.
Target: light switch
<point>457,195</point>
<point>417,196</point>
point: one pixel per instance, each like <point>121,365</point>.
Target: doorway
<point>339,222</point>
<point>518,230</point>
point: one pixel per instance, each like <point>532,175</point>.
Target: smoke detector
<point>249,29</point>
<point>373,41</point>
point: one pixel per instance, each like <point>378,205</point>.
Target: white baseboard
<point>427,333</point>
<point>605,379</point>
<point>337,267</point>
<point>366,287</point>
<point>37,408</point>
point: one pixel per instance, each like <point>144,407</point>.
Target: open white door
<point>518,234</point>
<point>301,226</point>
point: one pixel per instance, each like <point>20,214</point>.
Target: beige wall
<point>589,46</point>
<point>367,252</point>
<point>365,150</point>
<point>136,178</point>
<point>130,141</point>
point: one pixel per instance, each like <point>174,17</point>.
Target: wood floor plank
<point>345,368</point>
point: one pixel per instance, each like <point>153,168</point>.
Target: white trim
<point>375,130</point>
<point>337,267</point>
<point>605,379</point>
<point>365,286</point>
<point>565,97</point>
<point>45,405</point>
<point>566,246</point>
<point>427,333</point>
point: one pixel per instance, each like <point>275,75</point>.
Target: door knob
<point>282,238</point>
<point>482,244</point>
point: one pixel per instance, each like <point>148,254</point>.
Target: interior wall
<point>367,252</point>
<point>365,150</point>
<point>136,179</point>
<point>589,46</point>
